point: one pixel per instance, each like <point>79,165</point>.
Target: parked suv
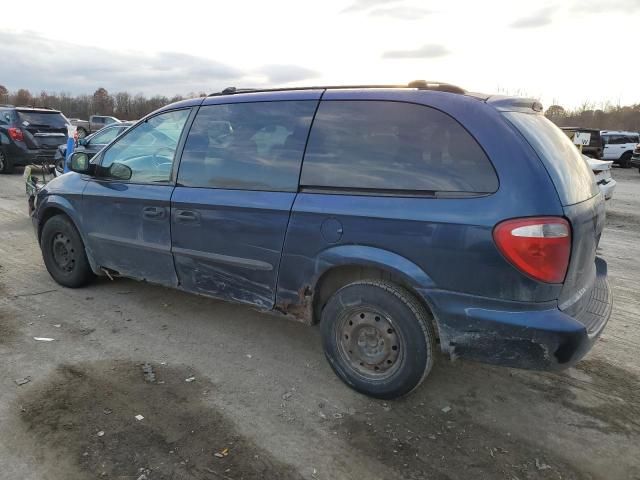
<point>401,219</point>
<point>595,147</point>
<point>619,146</point>
<point>29,135</point>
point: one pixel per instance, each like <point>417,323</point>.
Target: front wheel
<point>378,338</point>
<point>63,253</point>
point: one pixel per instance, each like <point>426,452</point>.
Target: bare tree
<point>23,97</point>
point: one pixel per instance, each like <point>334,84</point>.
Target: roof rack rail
<point>418,84</point>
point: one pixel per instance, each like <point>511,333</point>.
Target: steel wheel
<point>63,252</point>
<point>378,338</point>
<point>370,344</point>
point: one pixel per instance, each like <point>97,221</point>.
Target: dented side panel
<point>231,247</point>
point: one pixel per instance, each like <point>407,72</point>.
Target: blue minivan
<point>399,218</point>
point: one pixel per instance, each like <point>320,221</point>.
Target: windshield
<point>571,175</point>
<point>42,119</point>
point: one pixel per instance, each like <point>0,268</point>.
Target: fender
<point>295,297</point>
<point>362,255</point>
<point>60,203</point>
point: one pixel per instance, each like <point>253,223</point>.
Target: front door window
<point>149,148</point>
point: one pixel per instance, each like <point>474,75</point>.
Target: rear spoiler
<point>515,104</point>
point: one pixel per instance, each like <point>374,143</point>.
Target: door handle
<point>153,212</point>
<point>187,216</point>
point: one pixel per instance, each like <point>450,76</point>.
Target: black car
<point>596,145</point>
<point>93,143</point>
<point>29,135</point>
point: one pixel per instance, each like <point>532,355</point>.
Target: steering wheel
<point>159,160</point>
<point>162,163</point>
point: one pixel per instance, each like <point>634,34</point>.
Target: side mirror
<point>82,141</point>
<point>80,163</point>
<point>120,171</point>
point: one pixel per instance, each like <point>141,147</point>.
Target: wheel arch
<point>56,205</point>
<point>349,263</point>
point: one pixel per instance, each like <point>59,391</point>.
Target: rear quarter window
<point>396,146</point>
<point>569,172</point>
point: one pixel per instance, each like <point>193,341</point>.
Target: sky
<point>560,51</point>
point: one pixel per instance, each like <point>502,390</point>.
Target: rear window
<point>42,119</point>
<point>571,175</point>
<point>381,145</point>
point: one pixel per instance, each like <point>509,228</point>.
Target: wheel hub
<point>63,252</point>
<point>370,343</point>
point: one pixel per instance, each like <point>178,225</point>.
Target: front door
<point>237,181</point>
<point>127,219</point>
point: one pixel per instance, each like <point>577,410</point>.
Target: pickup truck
<point>95,123</point>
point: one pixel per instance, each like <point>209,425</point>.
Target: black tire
<point>378,338</point>
<point>6,166</point>
<point>64,254</point>
<point>81,132</point>
<point>59,165</point>
<point>625,160</point>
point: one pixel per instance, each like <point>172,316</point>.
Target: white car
<point>619,146</point>
<point>602,171</point>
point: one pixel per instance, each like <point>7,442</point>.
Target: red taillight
<point>538,246</point>
<point>16,134</point>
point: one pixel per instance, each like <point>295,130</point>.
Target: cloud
<point>38,63</point>
<point>402,12</point>
<point>426,51</point>
<point>287,73</point>
<point>538,19</point>
<point>610,6</point>
<point>360,5</point>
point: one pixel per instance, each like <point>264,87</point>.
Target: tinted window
<point>42,119</point>
<point>392,145</point>
<point>247,146</point>
<point>571,175</point>
<point>149,148</point>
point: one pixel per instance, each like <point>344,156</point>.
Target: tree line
<point>131,107</point>
<point>608,117</point>
<point>122,105</point>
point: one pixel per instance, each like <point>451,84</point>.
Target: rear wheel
<point>64,254</point>
<point>625,160</point>
<point>378,338</point>
<point>6,166</point>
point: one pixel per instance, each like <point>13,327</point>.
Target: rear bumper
<point>523,335</point>
<point>24,156</point>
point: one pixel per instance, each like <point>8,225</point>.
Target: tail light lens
<point>538,246</point>
<point>16,134</point>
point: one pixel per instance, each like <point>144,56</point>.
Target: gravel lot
<point>265,404</point>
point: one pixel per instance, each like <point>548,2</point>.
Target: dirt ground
<point>263,403</point>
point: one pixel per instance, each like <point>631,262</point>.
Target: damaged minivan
<point>401,219</point>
